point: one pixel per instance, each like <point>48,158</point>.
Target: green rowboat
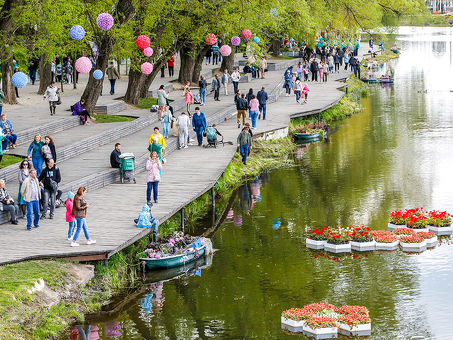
<point>174,260</point>
<point>307,136</point>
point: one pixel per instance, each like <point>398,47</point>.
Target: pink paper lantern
<point>210,39</point>
<point>236,41</point>
<point>246,34</point>
<point>225,50</point>
<point>105,21</point>
<point>148,52</point>
<point>142,42</point>
<point>83,65</point>
<point>146,68</point>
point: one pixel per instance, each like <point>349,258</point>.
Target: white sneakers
<point>91,241</point>
<point>75,244</point>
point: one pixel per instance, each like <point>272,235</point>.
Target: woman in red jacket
<point>171,66</point>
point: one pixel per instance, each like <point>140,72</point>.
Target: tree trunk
<point>187,63</point>
<point>227,63</point>
<point>199,64</point>
<point>134,87</point>
<point>8,87</point>
<point>275,48</point>
<point>45,74</point>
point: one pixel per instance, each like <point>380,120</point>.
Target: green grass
<point>146,103</point>
<point>426,19</point>
<point>284,57</point>
<point>9,160</point>
<point>113,119</point>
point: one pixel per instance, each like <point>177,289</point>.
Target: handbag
<point>164,160</point>
<point>265,70</point>
<point>59,99</point>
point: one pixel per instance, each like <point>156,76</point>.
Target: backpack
<point>211,133</point>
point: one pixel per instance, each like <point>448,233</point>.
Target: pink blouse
<point>254,105</point>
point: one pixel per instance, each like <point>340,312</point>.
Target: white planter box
<point>292,323</point>
<point>419,230</point>
<point>338,248</point>
<point>325,332</point>
<point>314,244</point>
<point>431,242</point>
<point>413,247</point>
<point>392,226</point>
<point>387,246</point>
<point>441,230</point>
<point>363,246</point>
<point>360,330</point>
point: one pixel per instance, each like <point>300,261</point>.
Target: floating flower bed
<point>412,243</point>
<point>317,238</point>
<point>440,222</point>
<point>431,238</point>
<point>386,242</point>
<point>362,239</point>
<point>323,319</point>
<point>338,239</point>
<point>421,221</point>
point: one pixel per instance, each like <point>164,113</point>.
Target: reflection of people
<point>256,191</point>
<point>245,202</point>
<point>112,328</point>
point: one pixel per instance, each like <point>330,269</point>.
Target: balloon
<point>105,21</point>
<point>143,42</point>
<point>98,74</point>
<point>19,79</point>
<point>246,34</point>
<point>256,39</point>
<point>210,39</point>
<point>225,50</point>
<point>146,68</point>
<point>236,41</point>
<point>83,65</point>
<point>77,32</point>
<point>148,52</point>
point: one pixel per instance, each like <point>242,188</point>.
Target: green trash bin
<point>127,164</point>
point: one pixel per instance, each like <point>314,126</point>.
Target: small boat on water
<point>307,136</point>
<point>382,80</point>
<point>395,50</point>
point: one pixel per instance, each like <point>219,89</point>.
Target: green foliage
<point>113,119</point>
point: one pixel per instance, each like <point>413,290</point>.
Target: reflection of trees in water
<point>439,46</point>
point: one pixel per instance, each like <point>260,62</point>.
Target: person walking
<point>203,85</point>
<point>35,153</point>
<point>288,84</point>
<point>156,147</point>
<point>113,75</point>
<point>79,212</point>
<point>300,70</point>
<point>297,89</point>
<point>226,79</point>
<point>235,77</point>
<point>305,92</point>
<point>215,54</point>
<point>336,62</point>
<point>208,55</point>
<point>314,70</point>
<point>166,122</point>
<point>262,99</point>
<point>69,70</point>
<point>242,109</point>
<point>189,100</point>
<point>48,149</point>
<point>244,141</point>
<point>52,92</point>
<point>199,124</point>
<point>32,67</point>
<point>171,66</point>
<point>50,177</point>
<point>31,194</point>
<point>8,203</point>
<point>254,105</point>
<point>216,87</point>
<point>160,138</point>
<point>69,216</point>
<point>161,100</point>
<point>346,61</point>
<point>263,66</point>
<point>183,123</point>
<point>306,71</point>
<point>321,71</point>
<point>325,72</point>
<point>249,98</point>
<point>153,167</point>
<point>7,129</point>
<point>24,171</point>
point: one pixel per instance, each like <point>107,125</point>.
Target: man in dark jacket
<point>314,70</point>
<point>50,177</point>
<point>115,156</point>
<point>262,98</point>
<point>241,106</point>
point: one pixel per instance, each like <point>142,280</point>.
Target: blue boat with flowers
<point>176,251</point>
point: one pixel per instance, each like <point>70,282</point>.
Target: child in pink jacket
<point>69,217</point>
<point>305,92</point>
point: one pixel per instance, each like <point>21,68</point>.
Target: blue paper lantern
<point>98,74</point>
<point>19,79</point>
<point>77,32</point>
<point>256,39</point>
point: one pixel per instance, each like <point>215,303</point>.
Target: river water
<point>397,154</point>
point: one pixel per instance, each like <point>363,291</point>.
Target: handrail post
<point>182,219</point>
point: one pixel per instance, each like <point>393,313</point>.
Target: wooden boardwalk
<point>187,174</point>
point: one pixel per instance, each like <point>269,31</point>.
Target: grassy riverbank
<point>428,19</point>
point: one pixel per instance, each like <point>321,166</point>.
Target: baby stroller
<point>211,135</point>
<point>127,167</point>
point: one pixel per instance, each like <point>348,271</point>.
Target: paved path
<point>187,174</point>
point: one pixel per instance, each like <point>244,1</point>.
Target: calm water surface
<point>397,154</point>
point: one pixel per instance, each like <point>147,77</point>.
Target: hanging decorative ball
<point>210,39</point>
<point>146,68</point>
<point>98,74</point>
<point>143,42</point>
<point>19,79</point>
<point>236,41</point>
<point>77,32</point>
<point>251,60</point>
<point>83,65</point>
<point>225,50</point>
<point>148,52</point>
<point>105,21</point>
<point>246,34</point>
<point>256,39</point>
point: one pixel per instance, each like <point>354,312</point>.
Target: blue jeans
<point>72,226</point>
<point>152,186</point>
<point>112,86</point>
<point>32,75</point>
<point>297,92</point>
<point>254,115</point>
<point>165,129</point>
<point>299,74</point>
<point>1,109</point>
<point>52,195</point>
<point>215,58</point>
<point>208,60</point>
<point>32,208</point>
<point>263,110</point>
<point>244,149</point>
<point>203,96</point>
<point>81,223</point>
<point>9,138</point>
<point>38,161</point>
<point>199,131</point>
